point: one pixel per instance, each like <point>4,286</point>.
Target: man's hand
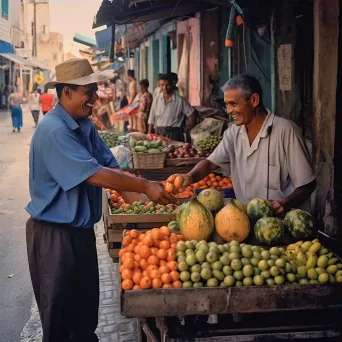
<point>187,179</point>
<point>279,208</point>
<point>156,193</point>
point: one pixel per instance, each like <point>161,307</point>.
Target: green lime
<point>201,255</point>
<point>259,280</point>
<point>181,258</point>
<point>270,282</point>
<point>181,246</point>
<point>236,264</point>
<point>275,251</point>
<point>266,274</point>
<point>229,280</point>
<point>212,282</point>
<point>191,260</point>
<point>274,271</point>
<point>196,268</point>
<point>183,266</point>
<point>263,265</point>
<point>238,283</point>
<point>248,270</point>
<point>290,277</point>
<point>217,265</point>
<point>206,265</point>
<point>238,275</point>
<point>303,281</point>
<point>254,261</point>
<point>248,281</point>
<point>323,278</point>
<point>189,245</point>
<point>219,275</point>
<point>280,263</point>
<point>187,284</point>
<point>184,276</point>
<point>247,252</point>
<point>206,273</point>
<point>265,255</point>
<point>198,284</point>
<point>279,280</point>
<point>271,262</point>
<point>195,277</point>
<point>234,255</point>
<point>227,270</point>
<point>212,257</point>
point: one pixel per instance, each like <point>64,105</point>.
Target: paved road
<point>19,318</point>
<point>15,293</point>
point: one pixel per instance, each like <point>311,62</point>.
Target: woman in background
<point>14,101</point>
<point>34,105</point>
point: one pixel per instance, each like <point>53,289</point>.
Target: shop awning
<point>17,59</point>
<point>6,47</point>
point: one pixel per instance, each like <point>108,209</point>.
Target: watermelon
<point>300,224</point>
<point>211,199</point>
<point>269,230</point>
<point>258,208</point>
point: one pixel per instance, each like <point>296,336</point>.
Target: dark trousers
<point>65,278</point>
<point>35,115</point>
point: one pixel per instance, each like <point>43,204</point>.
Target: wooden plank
<point>182,161</point>
<point>251,299</point>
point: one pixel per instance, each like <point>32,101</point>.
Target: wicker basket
<point>149,160</point>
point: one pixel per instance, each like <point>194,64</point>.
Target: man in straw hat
<point>69,164</point>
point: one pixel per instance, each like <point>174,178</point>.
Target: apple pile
<point>185,151</point>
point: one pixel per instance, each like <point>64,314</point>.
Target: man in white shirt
<point>34,105</point>
<point>171,115</point>
<point>266,154</point>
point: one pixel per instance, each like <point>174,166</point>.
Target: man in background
<point>157,91</point>
<point>132,93</point>
<point>47,101</point>
<point>144,106</point>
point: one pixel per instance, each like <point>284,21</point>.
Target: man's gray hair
<point>247,83</point>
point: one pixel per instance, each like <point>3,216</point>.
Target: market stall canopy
<point>104,37</point>
<point>123,11</point>
<point>17,59</point>
<point>78,38</point>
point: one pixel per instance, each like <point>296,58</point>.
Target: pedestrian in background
<point>47,101</point>
<point>14,104</point>
<point>158,90</point>
<point>145,103</point>
<point>34,105</point>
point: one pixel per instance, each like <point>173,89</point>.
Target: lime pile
<point>207,264</point>
<point>209,144</point>
<point>113,140</point>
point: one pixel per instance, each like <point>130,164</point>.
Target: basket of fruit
<point>148,154</point>
<point>184,154</point>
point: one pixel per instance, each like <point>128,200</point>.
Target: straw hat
<point>78,71</point>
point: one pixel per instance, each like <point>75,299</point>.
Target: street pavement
<point>19,317</point>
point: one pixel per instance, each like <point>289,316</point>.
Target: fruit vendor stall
<point>268,279</point>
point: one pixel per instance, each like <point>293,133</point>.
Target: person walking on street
<point>145,103</point>
<point>34,105</point>
<point>132,93</point>
<point>14,104</point>
<point>69,164</point>
<point>47,101</point>
<point>171,113</point>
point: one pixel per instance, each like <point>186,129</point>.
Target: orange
<point>156,243</point>
<point>148,241</point>
<point>173,238</point>
<point>154,250</point>
<point>171,179</point>
<point>137,257</point>
<point>137,270</point>
<point>136,249</point>
<point>155,274</point>
<point>134,234</point>
<point>150,268</point>
<point>146,274</point>
<point>164,269</point>
<point>209,183</point>
<point>136,264</point>
<point>215,184</point>
<point>162,254</point>
<point>173,245</point>
<point>164,244</point>
<point>127,284</point>
<point>130,248</point>
<point>174,275</point>
<point>167,286</point>
<point>211,175</point>
<point>129,263</point>
<point>178,182</point>
<point>180,237</point>
<point>172,265</point>
<point>169,187</point>
<point>126,240</point>
<point>153,260</point>
<point>144,252</point>
<point>166,278</point>
<point>143,264</point>
<point>136,287</point>
<point>122,252</point>
<point>127,255</point>
<point>137,278</point>
<point>171,255</point>
<point>177,284</point>
<point>165,230</point>
<point>122,268</point>
<point>126,274</point>
<point>155,235</point>
<point>157,283</point>
<point>162,262</point>
<point>145,283</point>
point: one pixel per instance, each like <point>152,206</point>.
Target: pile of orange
<point>211,181</point>
<point>148,260</point>
<point>117,200</point>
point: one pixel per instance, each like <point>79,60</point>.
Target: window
<point>4,8</point>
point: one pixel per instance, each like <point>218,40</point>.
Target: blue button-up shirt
<point>63,155</point>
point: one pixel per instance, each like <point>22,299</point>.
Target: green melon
<point>258,208</point>
<point>269,230</point>
<point>211,199</point>
<point>300,224</point>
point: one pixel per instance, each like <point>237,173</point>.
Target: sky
<point>73,16</point>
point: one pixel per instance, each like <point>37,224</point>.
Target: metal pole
<point>111,53</point>
<point>35,28</point>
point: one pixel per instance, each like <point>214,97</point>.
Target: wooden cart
<point>267,313</point>
<point>115,225</point>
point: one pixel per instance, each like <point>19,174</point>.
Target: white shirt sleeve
<point>152,116</point>
<point>187,109</point>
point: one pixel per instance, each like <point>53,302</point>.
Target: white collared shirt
<point>289,161</point>
<point>171,114</point>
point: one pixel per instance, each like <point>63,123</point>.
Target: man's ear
<point>67,92</point>
<point>255,100</point>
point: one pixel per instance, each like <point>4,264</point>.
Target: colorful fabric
<point>17,117</point>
